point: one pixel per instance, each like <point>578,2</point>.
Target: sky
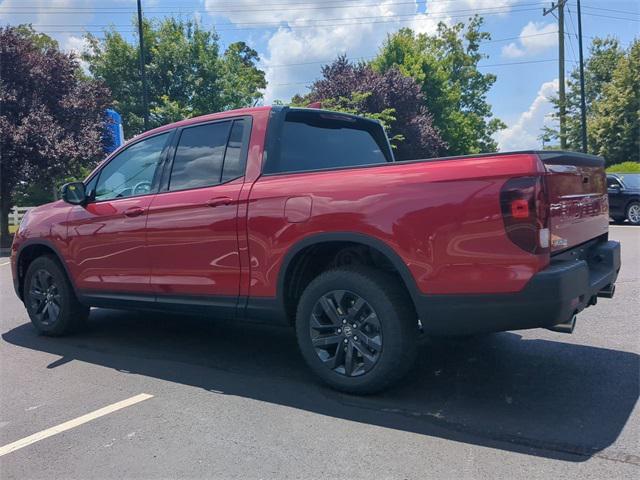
<point>294,38</point>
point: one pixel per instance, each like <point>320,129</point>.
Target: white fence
<point>16,214</point>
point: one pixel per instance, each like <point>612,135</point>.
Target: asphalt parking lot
<point>209,399</point>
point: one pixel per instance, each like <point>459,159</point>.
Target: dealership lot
<point>158,396</point>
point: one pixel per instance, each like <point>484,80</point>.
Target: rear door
<point>192,224</point>
<point>577,193</point>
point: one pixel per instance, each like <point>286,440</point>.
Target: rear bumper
<point>570,284</point>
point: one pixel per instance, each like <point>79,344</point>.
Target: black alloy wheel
<point>50,300</point>
<point>45,298</point>
<point>346,333</point>
<point>357,328</point>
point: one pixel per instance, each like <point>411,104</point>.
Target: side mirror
<point>74,193</point>
<point>615,188</point>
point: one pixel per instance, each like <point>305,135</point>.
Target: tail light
<point>525,213</point>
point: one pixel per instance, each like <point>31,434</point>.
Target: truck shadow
<point>538,397</point>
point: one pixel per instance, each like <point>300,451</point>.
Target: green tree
<point>186,74</point>
<point>603,59</point>
<point>51,117</point>
<point>390,97</point>
<point>611,77</point>
<point>454,90</point>
<point>615,122</point>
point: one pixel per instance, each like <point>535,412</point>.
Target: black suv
<point>624,197</point>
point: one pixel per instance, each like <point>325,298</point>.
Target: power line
<point>610,16</point>
<point>269,8</point>
<point>612,10</point>
<point>371,57</point>
<point>479,66</point>
<point>263,25</point>
<point>583,101</point>
<point>561,63</point>
<point>573,52</point>
<point>487,10</point>
<point>289,6</point>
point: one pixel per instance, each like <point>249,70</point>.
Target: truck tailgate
<point>577,195</point>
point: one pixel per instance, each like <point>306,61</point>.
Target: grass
<point>625,167</point>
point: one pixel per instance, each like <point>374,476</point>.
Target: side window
<point>613,182</point>
<point>131,172</point>
<point>234,159</point>
<point>199,156</point>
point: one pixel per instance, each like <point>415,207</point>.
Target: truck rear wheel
<point>357,329</point>
<point>49,298</point>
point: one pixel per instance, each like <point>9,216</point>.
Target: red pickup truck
<point>302,216</point>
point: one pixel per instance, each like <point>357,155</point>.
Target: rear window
<point>320,140</point>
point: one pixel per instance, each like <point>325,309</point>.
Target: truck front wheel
<point>48,296</point>
<point>357,329</point>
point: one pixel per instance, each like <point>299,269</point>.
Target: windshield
<point>631,180</point>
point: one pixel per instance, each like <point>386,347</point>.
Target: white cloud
<point>535,37</point>
<point>41,14</point>
<point>51,16</point>
<point>311,33</point>
<point>524,133</point>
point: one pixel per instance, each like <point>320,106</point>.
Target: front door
<point>107,238</point>
<point>192,233</point>
<point>616,198</point>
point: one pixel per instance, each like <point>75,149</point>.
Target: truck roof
<point>201,118</point>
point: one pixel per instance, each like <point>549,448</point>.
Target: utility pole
<point>583,103</point>
<point>561,87</point>
<point>145,101</point>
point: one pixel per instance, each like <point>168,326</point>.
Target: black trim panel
<point>264,310</point>
<point>191,304</point>
<point>551,297</point>
<point>353,237</point>
<point>44,243</point>
<point>258,310</point>
<point>549,157</point>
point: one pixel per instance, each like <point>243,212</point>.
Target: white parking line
<point>49,432</point>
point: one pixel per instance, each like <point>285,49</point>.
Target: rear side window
<point>320,140</point>
<point>234,157</point>
<point>199,156</point>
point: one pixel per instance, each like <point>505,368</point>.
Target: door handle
<point>133,212</point>
<point>218,201</point>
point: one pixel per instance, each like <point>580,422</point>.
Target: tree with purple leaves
<point>51,115</point>
<point>390,97</point>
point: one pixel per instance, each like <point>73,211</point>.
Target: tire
<point>383,315</point>
<point>46,283</point>
<point>633,213</point>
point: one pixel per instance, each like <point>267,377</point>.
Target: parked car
<point>624,197</point>
<point>302,217</point>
